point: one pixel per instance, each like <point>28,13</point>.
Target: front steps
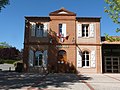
<point>37,70</point>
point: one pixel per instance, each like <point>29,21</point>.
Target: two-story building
<point>63,43</point>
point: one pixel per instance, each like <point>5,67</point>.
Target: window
<point>62,30</point>
<point>38,58</point>
<point>85,30</point>
<point>85,59</point>
<point>39,30</point>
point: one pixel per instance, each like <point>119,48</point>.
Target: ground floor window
<point>38,58</point>
<point>85,59</point>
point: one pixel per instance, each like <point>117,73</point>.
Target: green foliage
<point>113,10</point>
<point>111,39</point>
<point>4,45</point>
<point>9,52</point>
<point>3,3</point>
<point>2,61</point>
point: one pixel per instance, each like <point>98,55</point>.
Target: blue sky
<point>12,17</point>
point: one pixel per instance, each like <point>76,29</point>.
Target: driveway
<point>32,81</point>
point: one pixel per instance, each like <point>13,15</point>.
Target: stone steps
<point>37,70</point>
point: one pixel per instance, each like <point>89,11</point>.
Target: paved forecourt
<point>36,81</point>
<point>86,82</point>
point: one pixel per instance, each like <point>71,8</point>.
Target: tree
<point>4,45</point>
<point>9,52</point>
<point>3,3</point>
<point>113,10</point>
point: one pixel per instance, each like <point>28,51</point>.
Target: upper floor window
<point>85,30</point>
<point>85,59</point>
<point>39,30</point>
<point>62,30</point>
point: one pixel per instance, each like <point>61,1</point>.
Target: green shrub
<point>1,62</point>
<point>7,61</point>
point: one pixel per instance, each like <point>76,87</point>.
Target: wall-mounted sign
<point>62,46</point>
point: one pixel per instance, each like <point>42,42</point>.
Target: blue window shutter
<point>45,29</point>
<point>45,57</point>
<point>32,28</point>
<point>31,58</point>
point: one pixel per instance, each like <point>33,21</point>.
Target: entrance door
<point>112,64</point>
<point>62,57</point>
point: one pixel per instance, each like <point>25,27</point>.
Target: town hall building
<point>65,43</point>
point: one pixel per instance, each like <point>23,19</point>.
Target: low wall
<point>7,67</point>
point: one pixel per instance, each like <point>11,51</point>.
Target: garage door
<point>112,65</point>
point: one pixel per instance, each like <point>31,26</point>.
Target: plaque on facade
<point>62,46</point>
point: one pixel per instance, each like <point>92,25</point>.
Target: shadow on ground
<point>14,80</point>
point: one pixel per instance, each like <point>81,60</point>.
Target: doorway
<point>112,64</point>
<point>62,59</point>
